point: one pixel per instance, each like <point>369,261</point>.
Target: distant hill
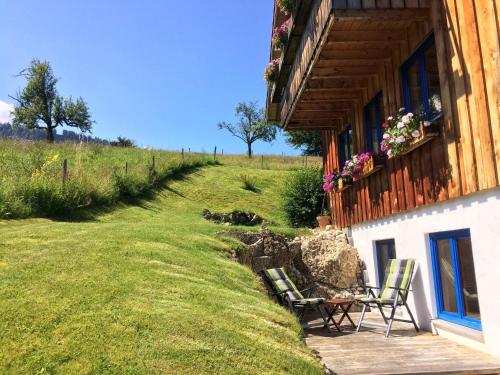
<point>7,131</point>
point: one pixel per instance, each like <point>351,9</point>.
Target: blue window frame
<point>374,115</point>
<point>455,278</point>
<point>345,146</point>
<point>385,251</point>
<point>420,78</point>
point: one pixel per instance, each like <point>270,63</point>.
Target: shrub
<point>303,197</point>
<point>248,183</point>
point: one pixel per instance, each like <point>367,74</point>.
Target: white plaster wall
<point>480,213</point>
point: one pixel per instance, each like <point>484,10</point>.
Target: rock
<point>233,218</point>
<point>331,260</point>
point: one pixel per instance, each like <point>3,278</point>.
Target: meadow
<point>145,288</point>
<point>35,183</point>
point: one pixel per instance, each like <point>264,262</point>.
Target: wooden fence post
<point>215,153</point>
<point>65,170</point>
<point>306,161</point>
<point>262,161</point>
<point>182,154</point>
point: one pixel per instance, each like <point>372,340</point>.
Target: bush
<point>248,183</point>
<point>303,197</point>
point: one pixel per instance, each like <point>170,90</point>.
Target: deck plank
<point>405,352</point>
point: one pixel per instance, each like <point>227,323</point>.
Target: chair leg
<point>389,324</point>
<point>325,319</point>
<point>363,312</point>
<point>412,319</point>
<point>382,313</point>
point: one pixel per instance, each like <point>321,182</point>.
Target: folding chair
<point>393,294</point>
<point>286,293</point>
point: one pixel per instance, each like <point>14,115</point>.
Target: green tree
<point>251,126</point>
<point>39,106</point>
<point>308,141</point>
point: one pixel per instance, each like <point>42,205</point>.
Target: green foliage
<point>123,142</point>
<point>303,197</point>
<point>248,183</point>
<point>39,106</point>
<point>31,176</point>
<point>251,126</point>
<point>308,141</point>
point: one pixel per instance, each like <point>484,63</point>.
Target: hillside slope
<point>145,289</point>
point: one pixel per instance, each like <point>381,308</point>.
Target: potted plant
<point>405,132</point>
<point>367,164</point>
<point>324,219</point>
<point>272,70</point>
<point>286,6</point>
<point>280,35</point>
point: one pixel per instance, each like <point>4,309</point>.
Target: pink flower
<point>415,134</point>
<point>386,136</point>
<point>400,125</point>
<point>427,123</point>
<point>389,152</point>
<point>401,139</point>
<point>403,129</point>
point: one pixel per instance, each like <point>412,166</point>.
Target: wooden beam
<point>361,45</point>
<point>319,115</point>
<point>342,71</point>
<point>378,15</point>
<point>367,36</point>
<point>366,54</point>
<point>324,106</point>
<point>337,83</point>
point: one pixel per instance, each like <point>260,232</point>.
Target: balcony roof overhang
<point>345,59</point>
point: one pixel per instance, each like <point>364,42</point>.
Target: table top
<point>340,301</point>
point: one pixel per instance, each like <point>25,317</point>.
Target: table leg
<point>345,314</point>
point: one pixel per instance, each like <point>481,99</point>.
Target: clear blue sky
<point>162,72</point>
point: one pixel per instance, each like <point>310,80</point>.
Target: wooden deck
<point>405,352</point>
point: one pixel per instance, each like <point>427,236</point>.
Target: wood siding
<point>466,157</point>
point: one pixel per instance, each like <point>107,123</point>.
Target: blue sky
<point>162,72</point>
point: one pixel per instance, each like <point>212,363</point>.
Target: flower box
<point>372,165</point>
<point>427,133</point>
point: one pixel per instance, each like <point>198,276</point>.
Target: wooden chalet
<point>346,67</point>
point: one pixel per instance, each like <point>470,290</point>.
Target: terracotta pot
<point>323,221</point>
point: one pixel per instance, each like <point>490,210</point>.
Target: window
<point>374,115</point>
<point>455,278</point>
<point>345,145</point>
<point>420,78</point>
<point>386,250</point>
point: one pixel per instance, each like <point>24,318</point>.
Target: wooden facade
<point>351,51</point>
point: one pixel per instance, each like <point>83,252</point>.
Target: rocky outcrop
<point>323,259</point>
<point>233,218</point>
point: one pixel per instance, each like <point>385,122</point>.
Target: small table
<point>333,305</point>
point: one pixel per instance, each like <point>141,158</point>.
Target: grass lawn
<point>145,289</point>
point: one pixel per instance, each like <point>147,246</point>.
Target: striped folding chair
<point>287,294</point>
<point>393,294</point>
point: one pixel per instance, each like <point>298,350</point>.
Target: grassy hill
<point>146,288</point>
<point>31,175</point>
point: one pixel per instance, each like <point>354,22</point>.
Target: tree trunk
<point>50,135</point>
<point>249,152</point>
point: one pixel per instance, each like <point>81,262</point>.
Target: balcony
<point>337,51</point>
